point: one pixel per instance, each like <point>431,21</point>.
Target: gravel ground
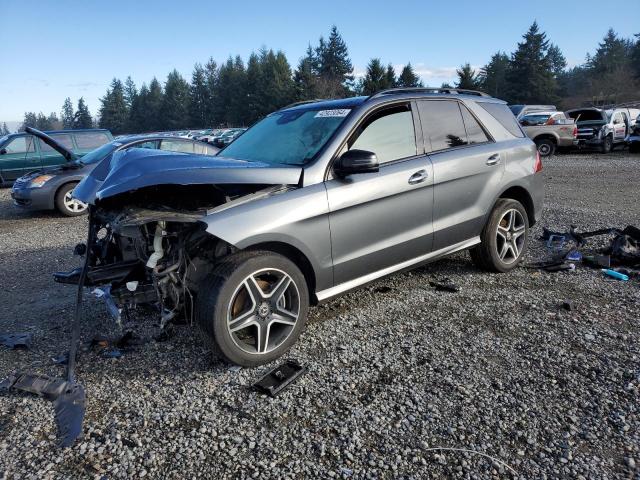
<point>397,371</point>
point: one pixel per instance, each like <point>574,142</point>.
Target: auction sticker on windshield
<point>340,112</point>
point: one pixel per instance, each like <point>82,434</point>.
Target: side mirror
<point>616,121</point>
<point>3,151</point>
<point>356,161</point>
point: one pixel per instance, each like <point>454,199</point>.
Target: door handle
<point>418,177</point>
<point>493,159</point>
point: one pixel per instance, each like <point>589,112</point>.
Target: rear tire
<point>634,147</point>
<point>239,314</point>
<point>67,205</point>
<point>504,238</point>
<point>546,147</point>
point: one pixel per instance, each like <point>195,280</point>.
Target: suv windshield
<point>94,156</point>
<point>290,138</point>
<point>516,109</point>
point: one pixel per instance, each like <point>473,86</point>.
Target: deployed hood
<point>129,170</point>
<point>67,154</point>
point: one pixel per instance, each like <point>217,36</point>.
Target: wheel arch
<point>296,256</point>
<point>546,136</point>
<point>522,195</point>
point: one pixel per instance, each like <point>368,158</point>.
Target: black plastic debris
<point>444,285</point>
<point>16,340</point>
<point>597,261</point>
<point>277,379</point>
<point>67,396</point>
<point>568,305</point>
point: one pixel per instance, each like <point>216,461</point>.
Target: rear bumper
<point>32,198</point>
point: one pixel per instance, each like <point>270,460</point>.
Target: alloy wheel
<point>510,236</point>
<point>263,311</point>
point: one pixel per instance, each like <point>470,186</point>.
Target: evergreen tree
<point>54,122</point>
<point>4,130</point>
<point>175,103</point>
<point>138,120</point>
<point>113,112</point>
<point>82,117</point>
<point>376,78</point>
<point>130,93</point>
<point>635,56</point>
<point>306,77</point>
<point>153,120</point>
<point>67,114</point>
<point>612,54</point>
<point>211,83</point>
<point>198,98</point>
<point>492,77</point>
<point>408,78</point>
<point>230,99</point>
<point>43,123</point>
<point>556,60</point>
<point>30,120</point>
<point>467,77</point>
<point>334,66</point>
<point>390,76</point>
<point>530,77</point>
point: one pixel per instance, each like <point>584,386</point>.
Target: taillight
<point>575,132</point>
<point>537,167</point>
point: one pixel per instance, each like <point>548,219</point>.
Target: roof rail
<point>303,102</point>
<point>457,91</point>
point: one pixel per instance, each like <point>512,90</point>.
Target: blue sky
<point>56,49</point>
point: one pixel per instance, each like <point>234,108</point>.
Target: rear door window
<point>442,123</point>
<point>389,134</point>
<point>63,139</point>
<point>90,140</point>
<point>475,132</point>
<point>177,146</point>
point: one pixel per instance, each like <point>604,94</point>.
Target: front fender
<point>299,218</point>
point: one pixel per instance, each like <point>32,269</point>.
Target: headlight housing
<point>40,180</point>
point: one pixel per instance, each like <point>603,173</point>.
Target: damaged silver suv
<point>315,200</point>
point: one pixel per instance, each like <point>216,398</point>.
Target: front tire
<point>67,205</point>
<point>504,238</point>
<point>253,307</point>
<point>546,147</point>
<point>607,145</point>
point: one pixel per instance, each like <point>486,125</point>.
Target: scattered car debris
<point>623,251</point>
<point>568,305</point>
<point>616,275</point>
<point>278,378</point>
<point>444,285</point>
<point>16,340</point>
<point>67,396</point>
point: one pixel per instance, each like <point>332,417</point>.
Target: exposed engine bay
<point>151,246</point>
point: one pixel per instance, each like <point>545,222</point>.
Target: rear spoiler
<point>67,154</point>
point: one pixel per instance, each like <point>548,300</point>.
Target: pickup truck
<point>603,129</point>
<point>549,130</point>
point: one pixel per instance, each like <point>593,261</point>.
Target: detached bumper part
<point>68,399</point>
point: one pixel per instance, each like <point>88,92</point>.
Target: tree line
<point>235,93</point>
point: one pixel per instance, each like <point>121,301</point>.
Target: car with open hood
<point>601,129</point>
<point>50,188</point>
<point>315,200</point>
<point>23,152</point>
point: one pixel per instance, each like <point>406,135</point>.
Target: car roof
<point>407,93</point>
<point>79,130</point>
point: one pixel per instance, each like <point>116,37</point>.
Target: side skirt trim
<point>414,262</point>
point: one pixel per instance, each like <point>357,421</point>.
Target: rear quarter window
<point>62,139</point>
<point>91,140</point>
<point>504,115</point>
